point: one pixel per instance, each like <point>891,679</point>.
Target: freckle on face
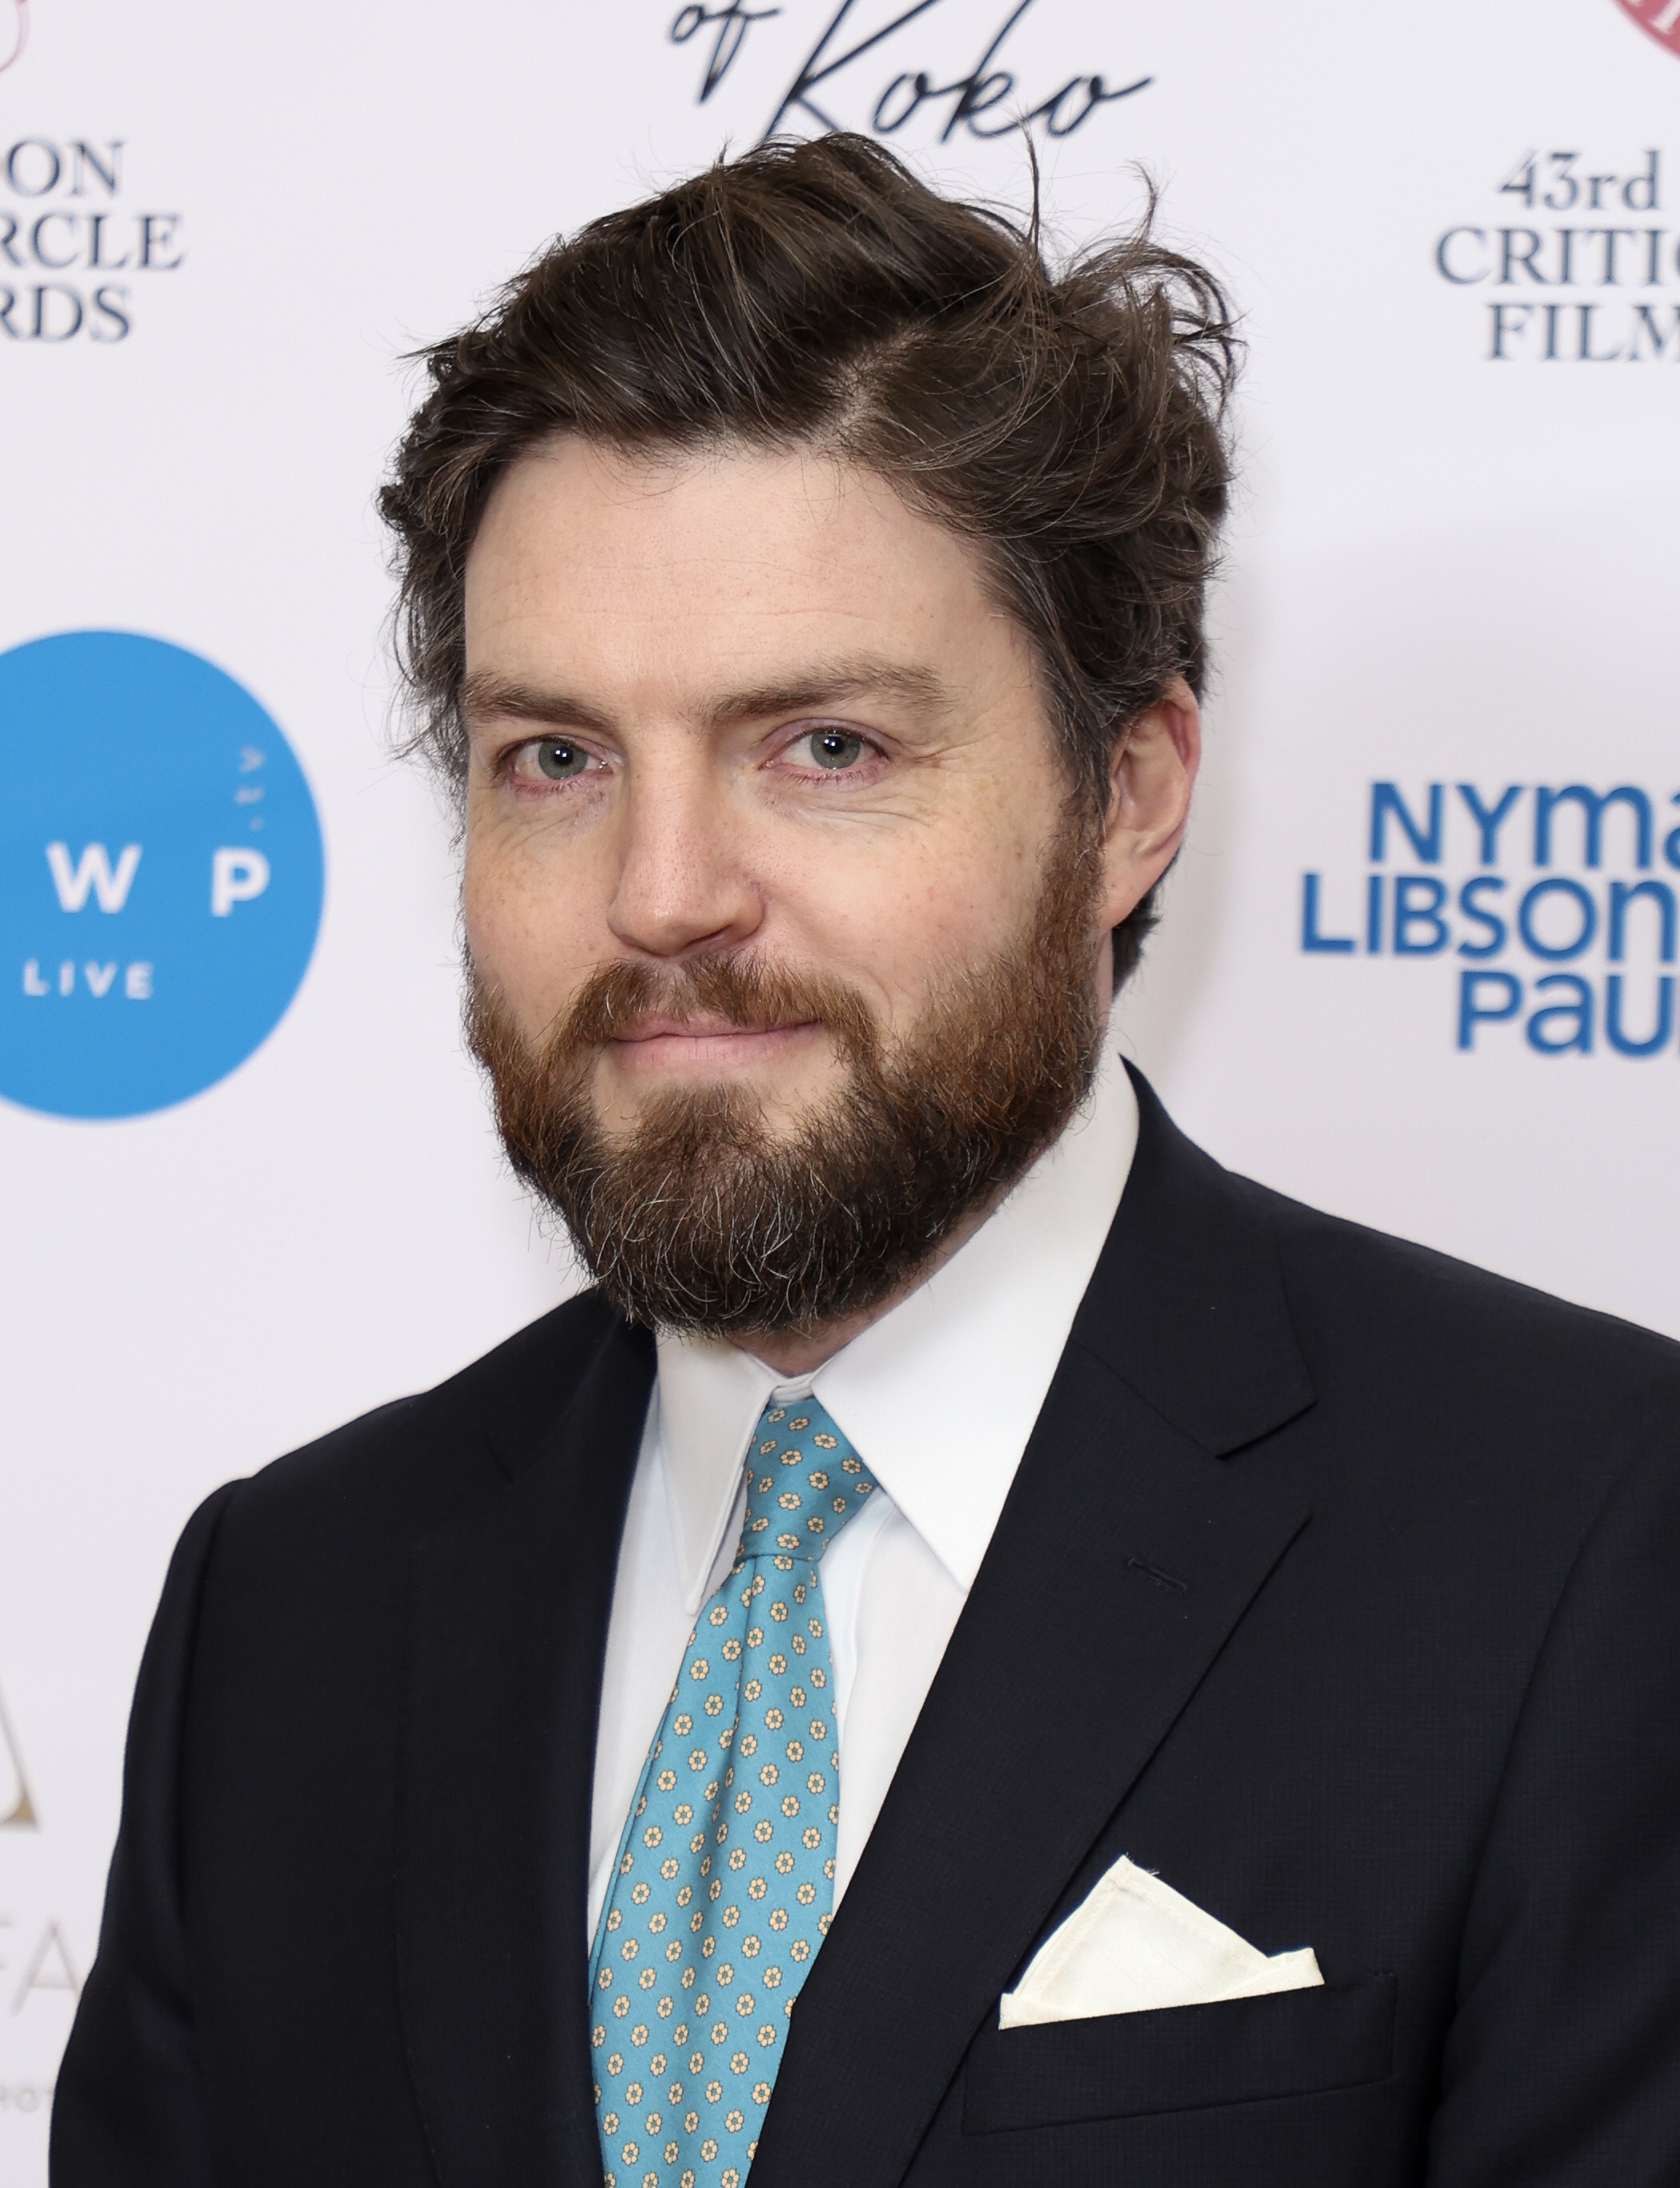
<point>650,592</point>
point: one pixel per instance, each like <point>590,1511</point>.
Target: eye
<point>559,758</point>
<point>833,749</point>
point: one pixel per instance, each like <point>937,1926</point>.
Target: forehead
<point>672,574</point>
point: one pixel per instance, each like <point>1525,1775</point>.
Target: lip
<point>656,1026</point>
<point>658,1043</point>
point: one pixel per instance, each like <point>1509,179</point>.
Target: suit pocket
<point>1289,2044</point>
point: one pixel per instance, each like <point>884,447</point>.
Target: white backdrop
<point>1454,562</point>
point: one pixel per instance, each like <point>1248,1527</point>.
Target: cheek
<point>525,924</point>
<point>898,917</point>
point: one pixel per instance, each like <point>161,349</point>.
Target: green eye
<point>834,748</point>
<point>560,759</point>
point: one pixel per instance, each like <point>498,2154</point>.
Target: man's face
<point>733,702</point>
<point>789,949</point>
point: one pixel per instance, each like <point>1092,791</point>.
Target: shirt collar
<point>940,1394</point>
<point>710,1395</point>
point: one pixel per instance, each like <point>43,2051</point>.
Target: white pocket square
<point>1133,1945</point>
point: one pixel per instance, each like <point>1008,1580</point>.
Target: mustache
<point>745,988</point>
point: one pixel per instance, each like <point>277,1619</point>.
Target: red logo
<point>11,48</point>
<point>1661,18</point>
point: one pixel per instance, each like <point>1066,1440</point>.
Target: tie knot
<point>803,1483</point>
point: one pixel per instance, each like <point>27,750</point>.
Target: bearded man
<point>984,1649</point>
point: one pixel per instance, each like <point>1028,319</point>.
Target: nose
<point>682,887</point>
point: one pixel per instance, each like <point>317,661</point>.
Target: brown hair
<point>1068,424</point>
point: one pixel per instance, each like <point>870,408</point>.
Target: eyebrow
<point>484,694</point>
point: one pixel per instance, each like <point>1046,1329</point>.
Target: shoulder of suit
<point>1440,1320</point>
<point>408,1465</point>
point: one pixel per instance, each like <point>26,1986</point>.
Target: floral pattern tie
<point>725,1877</point>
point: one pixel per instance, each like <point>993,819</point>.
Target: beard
<point>700,1217</point>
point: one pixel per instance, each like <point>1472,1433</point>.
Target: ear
<point>1150,778</point>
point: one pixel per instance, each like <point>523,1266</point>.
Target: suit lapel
<point>510,1610</point>
<point>1126,1553</point>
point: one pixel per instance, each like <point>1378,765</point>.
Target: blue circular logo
<point>160,874</point>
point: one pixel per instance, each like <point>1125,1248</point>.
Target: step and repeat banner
<point>1420,954</point>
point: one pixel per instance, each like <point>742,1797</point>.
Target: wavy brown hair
<point>1069,423</point>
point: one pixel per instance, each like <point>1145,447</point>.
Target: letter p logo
<point>235,876</point>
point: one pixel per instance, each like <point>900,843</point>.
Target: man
<point>985,1649</point>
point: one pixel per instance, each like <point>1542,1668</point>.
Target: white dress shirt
<point>939,1397</point>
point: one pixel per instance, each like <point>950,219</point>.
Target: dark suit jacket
<point>1340,1584</point>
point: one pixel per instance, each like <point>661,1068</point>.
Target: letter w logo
<point>93,872</point>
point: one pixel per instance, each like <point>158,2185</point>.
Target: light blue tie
<point>725,1876</point>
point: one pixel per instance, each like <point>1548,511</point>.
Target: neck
<point>802,1352</point>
